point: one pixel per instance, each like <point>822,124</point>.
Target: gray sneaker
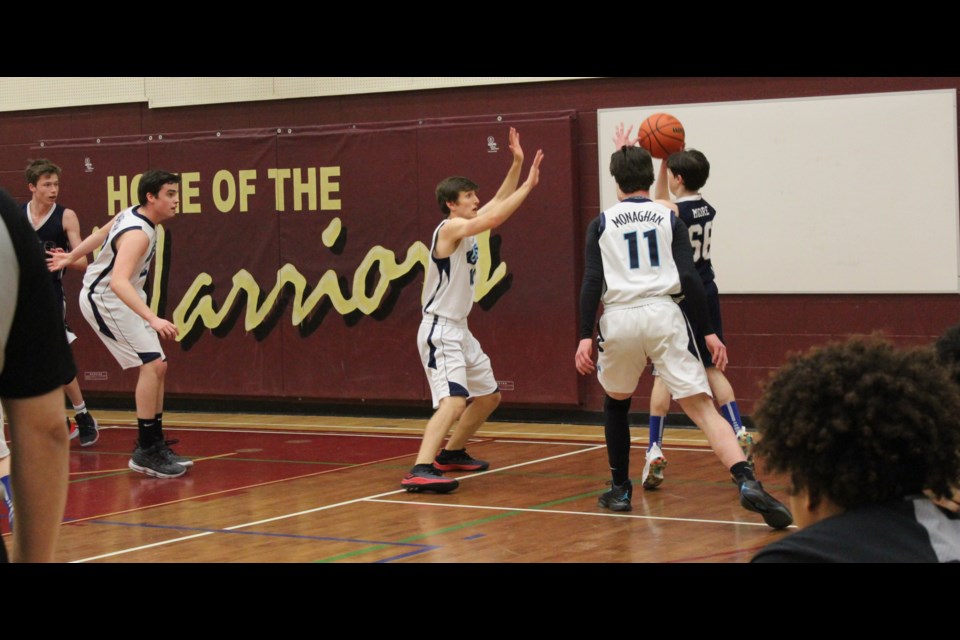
<point>153,461</point>
<point>87,426</point>
<point>183,460</point>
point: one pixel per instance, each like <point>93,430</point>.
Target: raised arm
<point>661,189</point>
<point>57,261</point>
<point>496,215</point>
<point>71,226</point>
<point>513,175</point>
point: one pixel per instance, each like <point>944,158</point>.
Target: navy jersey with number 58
<point>698,215</point>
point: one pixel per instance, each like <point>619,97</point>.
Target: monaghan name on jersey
<point>636,236</point>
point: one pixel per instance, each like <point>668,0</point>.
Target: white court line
<point>316,509</point>
<point>283,433</point>
<point>550,442</point>
<point>571,513</point>
<point>306,429</point>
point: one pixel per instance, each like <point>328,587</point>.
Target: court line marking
<point>308,430</point>
<point>147,525</point>
<point>231,490</point>
<point>565,512</point>
<point>298,513</point>
<point>86,473</point>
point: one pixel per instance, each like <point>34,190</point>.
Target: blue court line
<point>475,536</point>
<point>407,554</point>
<point>420,547</point>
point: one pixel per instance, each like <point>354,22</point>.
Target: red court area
<point>224,461</point>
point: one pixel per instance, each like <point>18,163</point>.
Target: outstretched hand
<point>58,259</point>
<point>515,147</point>
<point>622,139</point>
<point>534,178</point>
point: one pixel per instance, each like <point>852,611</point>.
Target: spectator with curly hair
<point>862,429</point>
<point>948,354</point>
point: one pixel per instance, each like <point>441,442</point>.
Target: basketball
<point>661,134</point>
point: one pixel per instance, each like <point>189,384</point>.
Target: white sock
<point>80,408</point>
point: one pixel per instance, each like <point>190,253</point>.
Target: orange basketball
<point>661,134</point>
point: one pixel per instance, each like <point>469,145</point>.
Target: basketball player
<point>684,173</point>
<point>59,230</point>
<point>455,364</point>
<point>638,255</point>
<point>114,303</point>
<point>34,361</point>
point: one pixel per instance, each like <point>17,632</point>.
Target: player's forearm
<point>591,289</point>
<point>93,241</point>
<point>511,181</point>
<point>40,473</point>
<point>80,264</point>
<point>129,296</point>
<point>501,211</point>
<point>662,191</point>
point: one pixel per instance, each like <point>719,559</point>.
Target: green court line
<point>457,527</point>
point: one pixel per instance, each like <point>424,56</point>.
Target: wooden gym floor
<point>279,489</point>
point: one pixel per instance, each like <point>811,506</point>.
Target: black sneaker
<point>618,498</point>
<point>153,461</point>
<point>425,478</point>
<point>187,462</point>
<point>459,461</point>
<point>754,498</point>
<point>87,426</point>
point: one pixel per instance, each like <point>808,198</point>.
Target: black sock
<point>422,467</point>
<point>616,430</point>
<point>159,420</point>
<point>742,471</point>
<point>148,432</point>
<point>449,453</point>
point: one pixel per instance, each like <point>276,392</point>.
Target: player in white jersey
<point>113,301</point>
<point>638,256</point>
<point>455,364</point>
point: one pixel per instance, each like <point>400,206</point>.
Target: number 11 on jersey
<point>634,247</point>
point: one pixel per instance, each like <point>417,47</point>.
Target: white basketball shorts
<point>656,330</point>
<point>130,338</point>
<point>453,360</point>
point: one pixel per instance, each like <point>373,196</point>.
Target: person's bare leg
<point>450,410</point>
<point>40,472</point>
<point>722,440</point>
<point>472,419</point>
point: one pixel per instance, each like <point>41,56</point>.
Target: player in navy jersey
<point>455,364</point>
<point>683,174</point>
<point>114,303</point>
<point>638,257</point>
<point>59,230</point>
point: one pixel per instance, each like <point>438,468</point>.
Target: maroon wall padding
<point>760,330</point>
<point>381,189</point>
